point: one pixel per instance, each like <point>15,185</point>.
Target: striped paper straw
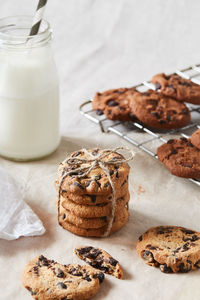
<point>38,17</point>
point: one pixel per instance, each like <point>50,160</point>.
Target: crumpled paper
<point>16,217</point>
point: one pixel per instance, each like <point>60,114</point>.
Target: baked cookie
<point>195,138</point>
<point>67,215</point>
<point>95,199</point>
<point>156,110</point>
<point>87,211</point>
<point>46,279</point>
<point>114,104</point>
<point>171,248</point>
<point>100,259</point>
<point>180,157</point>
<point>96,182</point>
<point>177,87</point>
<point>119,221</point>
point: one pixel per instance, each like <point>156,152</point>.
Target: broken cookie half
<point>100,259</point>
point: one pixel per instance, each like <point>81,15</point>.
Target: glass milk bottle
<point>29,92</point>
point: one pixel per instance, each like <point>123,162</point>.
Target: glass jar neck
<point>14,33</point>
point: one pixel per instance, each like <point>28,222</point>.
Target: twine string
<point>91,163</point>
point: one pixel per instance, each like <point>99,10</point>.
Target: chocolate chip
<point>183,139</point>
<point>165,269</point>
<point>117,174</point>
<point>104,218</point>
<point>185,111</point>
<point>98,183</point>
<point>140,238</point>
<point>78,185</point>
<point>87,277</point>
<point>93,253</point>
<point>84,250</point>
<point>155,114</point>
<point>75,272</point>
<point>106,184</point>
<point>100,276</point>
<point>36,270</point>
<point>173,151</point>
<point>110,197</point>
<point>185,268</point>
<point>93,198</point>
<point>190,145</point>
<point>192,239</point>
<point>60,273</point>
<point>166,76</point>
<point>177,250</point>
<point>61,285</point>
<point>64,216</point>
<point>122,108</point>
<point>186,83</point>
<point>99,112</point>
<point>170,141</point>
<point>44,261</point>
<point>95,152</point>
<point>147,255</point>
<point>98,94</point>
<point>111,172</point>
<point>158,86</point>
<point>187,231</point>
<point>112,103</point>
<point>123,183</point>
<point>31,291</point>
<point>162,122</point>
<point>171,87</point>
<point>76,154</point>
<point>113,261</point>
<point>150,247</point>
<point>185,247</point>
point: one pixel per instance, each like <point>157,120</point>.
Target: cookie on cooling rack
<point>47,279</point>
<point>114,104</point>
<point>100,259</point>
<point>180,157</point>
<point>177,87</point>
<point>195,138</point>
<point>173,249</point>
<point>156,110</point>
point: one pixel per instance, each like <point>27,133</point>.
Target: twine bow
<point>91,163</point>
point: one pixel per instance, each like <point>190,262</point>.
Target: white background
<point>102,44</point>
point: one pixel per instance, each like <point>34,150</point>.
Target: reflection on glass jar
<point>29,91</point>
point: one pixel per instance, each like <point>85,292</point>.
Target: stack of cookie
<point>86,203</point>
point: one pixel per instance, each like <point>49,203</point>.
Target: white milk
<point>29,101</point>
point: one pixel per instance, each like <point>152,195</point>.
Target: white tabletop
<point>102,44</point>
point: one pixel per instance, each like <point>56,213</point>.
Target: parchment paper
<point>101,44</point>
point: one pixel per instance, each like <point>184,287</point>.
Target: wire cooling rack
<point>133,132</point>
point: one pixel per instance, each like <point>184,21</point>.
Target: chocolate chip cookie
<point>195,138</point>
<point>67,215</point>
<point>100,259</point>
<point>119,221</point>
<point>114,104</point>
<point>180,157</point>
<point>173,249</point>
<point>87,211</point>
<point>96,181</point>
<point>93,200</point>
<point>47,279</point>
<point>156,110</point>
<point>177,87</point>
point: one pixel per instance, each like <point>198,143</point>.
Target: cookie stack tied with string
<point>93,193</point>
